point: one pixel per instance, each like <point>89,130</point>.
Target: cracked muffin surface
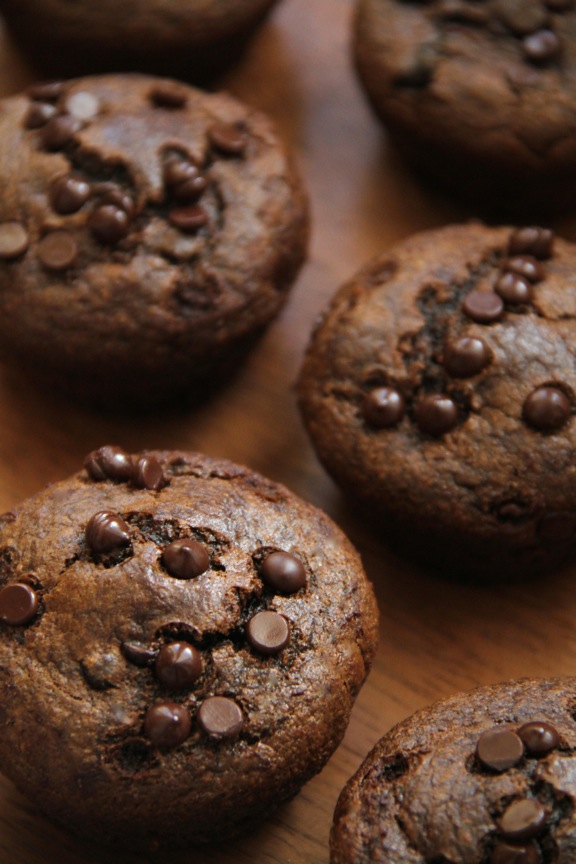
<point>183,637</point>
<point>484,777</point>
<point>439,389</point>
<point>148,233</point>
<point>477,94</point>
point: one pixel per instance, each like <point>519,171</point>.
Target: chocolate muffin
<point>191,39</point>
<point>148,233</point>
<point>485,777</point>
<point>169,626</point>
<point>479,95</point>
<point>439,389</point>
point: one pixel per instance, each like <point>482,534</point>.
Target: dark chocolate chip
<point>484,307</point>
<point>188,219</point>
<point>119,198</point>
<point>466,357</point>
<point>499,749</point>
<point>82,105</point>
<point>383,407</point>
<point>436,414</point>
<point>107,532</point>
<point>546,409</point>
<point>57,250</point>
<point>185,559</point>
<point>513,288</point>
<point>38,114</point>
<point>18,603</point>
<point>109,463</point>
<point>227,138</point>
<point>557,527</point>
<point>526,266</point>
<point>220,717</point>
<point>138,654</point>
<point>59,131</point>
<point>523,820</point>
<point>45,91</point>
<point>283,572</point>
<point>268,632</point>
<point>13,240</point>
<point>191,189</point>
<point>535,241</point>
<point>542,46</point>
<point>148,474</point>
<point>69,194</point>
<point>168,96</point>
<point>167,724</point>
<point>184,179</point>
<point>109,224</point>
<point>504,853</point>
<point>539,737</point>
<point>178,665</point>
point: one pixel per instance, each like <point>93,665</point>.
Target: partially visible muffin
<point>183,637</point>
<point>148,234</point>
<point>485,777</point>
<point>439,389</point>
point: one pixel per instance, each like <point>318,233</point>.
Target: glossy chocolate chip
<point>283,572</point>
<point>59,131</point>
<point>436,414</point>
<point>220,717</point>
<point>57,250</point>
<point>13,240</point>
<point>18,604</point>
<point>184,179</point>
<point>45,91</point>
<point>109,223</point>
<point>227,138</point>
<point>526,266</point>
<point>178,665</point>
<point>168,96</point>
<point>499,749</point>
<point>118,198</point>
<point>523,820</point>
<point>167,724</point>
<point>532,240</point>
<point>185,559</point>
<point>107,532</point>
<point>466,357</point>
<point>69,194</point>
<point>383,407</point>
<point>484,307</point>
<point>557,526</point>
<point>109,463</point>
<point>38,114</point>
<point>504,853</point>
<point>542,46</point>
<point>268,632</point>
<point>513,288</point>
<point>138,654</point>
<point>546,409</point>
<point>188,219</point>
<point>539,737</point>
<point>82,105</point>
<point>148,474</point>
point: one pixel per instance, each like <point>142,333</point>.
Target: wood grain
<point>436,637</point>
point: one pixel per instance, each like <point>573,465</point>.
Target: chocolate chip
<point>227,138</point>
<point>219,717</point>
<point>184,179</point>
<point>109,223</point>
<point>466,357</point>
<point>82,105</point>
<point>523,820</point>
<point>526,266</point>
<point>539,737</point>
<point>484,307</point>
<point>503,853</point>
<point>109,463</point>
<point>18,603</point>
<point>546,409</point>
<point>45,91</point>
<point>178,665</point>
<point>513,288</point>
<point>557,527</point>
<point>436,414</point>
<point>542,46</point>
<point>268,632</point>
<point>167,724</point>
<point>38,114</point>
<point>57,250</point>
<point>138,654</point>
<point>59,131</point>
<point>383,407</point>
<point>283,572</point>
<point>535,241</point>
<point>148,474</point>
<point>69,194</point>
<point>168,96</point>
<point>113,194</point>
<point>499,749</point>
<point>107,532</point>
<point>188,219</point>
<point>13,240</point>
<point>521,16</point>
<point>185,559</point>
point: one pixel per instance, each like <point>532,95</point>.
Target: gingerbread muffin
<point>485,777</point>
<point>148,234</point>
<point>190,39</point>
<point>439,389</point>
<point>169,626</point>
<point>479,95</point>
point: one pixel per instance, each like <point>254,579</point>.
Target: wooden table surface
<point>436,637</point>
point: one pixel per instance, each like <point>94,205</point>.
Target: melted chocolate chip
<point>59,131</point>
<point>107,532</point>
<point>523,820</point>
<point>82,105</point>
<point>436,414</point>
<point>542,46</point>
<point>383,407</point>
<point>69,194</point>
<point>219,717</point>
<point>13,240</point>
<point>57,250</point>
<point>466,357</point>
<point>109,224</point>
<point>168,96</point>
<point>283,572</point>
<point>178,665</point>
<point>504,853</point>
<point>268,632</point>
<point>45,91</point>
<point>18,604</point>
<point>38,114</point>
<point>109,463</point>
<point>539,737</point>
<point>167,724</point>
<point>228,139</point>
<point>138,654</point>
<point>148,474</point>
<point>546,409</point>
<point>499,749</point>
<point>185,559</point>
<point>188,219</point>
<point>526,266</point>
<point>535,241</point>
<point>513,288</point>
<point>484,307</point>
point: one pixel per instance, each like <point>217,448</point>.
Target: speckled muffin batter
<point>480,95</point>
<point>439,389</point>
<point>148,233</point>
<point>181,643</point>
<point>192,39</point>
<point>485,777</point>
